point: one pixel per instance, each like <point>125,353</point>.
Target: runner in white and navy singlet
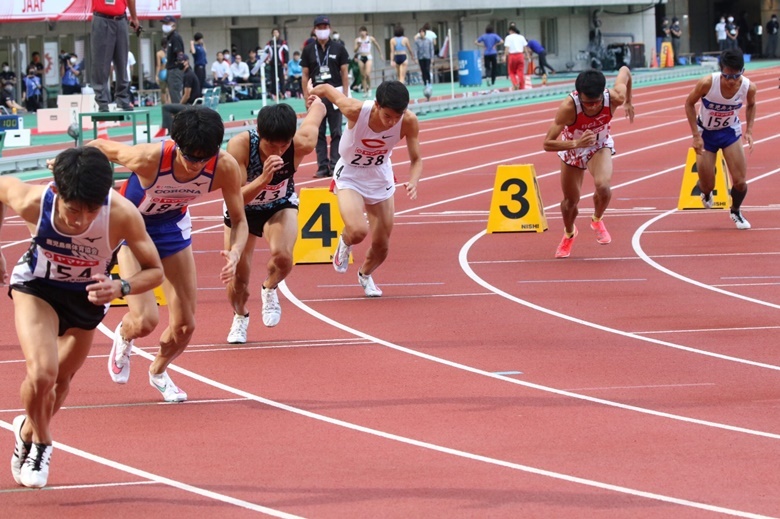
<point>163,205</point>
<point>57,261</point>
<point>598,124</point>
<point>365,164</point>
<point>718,118</point>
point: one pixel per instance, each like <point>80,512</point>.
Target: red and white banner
<point>78,10</point>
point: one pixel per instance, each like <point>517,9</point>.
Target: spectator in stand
<point>220,71</point>
<point>36,62</point>
<point>515,47</point>
<point>490,40</point>
<point>295,72</point>
<point>254,64</point>
<point>175,57</point>
<point>8,81</point>
<point>70,70</point>
<point>429,33</point>
<point>720,33</point>
<point>199,57</point>
<point>32,94</point>
<point>239,70</point>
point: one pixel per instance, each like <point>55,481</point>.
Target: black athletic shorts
<point>257,219</point>
<point>72,306</point>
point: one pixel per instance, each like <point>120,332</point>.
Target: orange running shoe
<point>602,235</point>
<point>564,248</point>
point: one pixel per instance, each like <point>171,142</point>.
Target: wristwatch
<point>125,287</point>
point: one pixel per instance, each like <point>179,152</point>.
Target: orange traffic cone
<point>530,68</point>
<point>102,130</point>
<point>653,60</point>
<point>670,58</point>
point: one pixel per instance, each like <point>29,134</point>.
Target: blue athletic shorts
<point>170,237</point>
<point>715,140</point>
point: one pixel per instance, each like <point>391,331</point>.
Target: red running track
<point>638,379</point>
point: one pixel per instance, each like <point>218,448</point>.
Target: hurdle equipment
<point>319,225</point>
<point>516,205</point>
<point>690,193</point>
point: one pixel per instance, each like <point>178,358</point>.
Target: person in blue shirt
<point>490,40</point>
<point>31,96</point>
<point>538,48</point>
<point>199,56</point>
<point>294,74</point>
<point>70,70</point>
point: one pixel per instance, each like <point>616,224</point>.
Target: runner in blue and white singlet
<point>718,118</point>
<point>64,261</point>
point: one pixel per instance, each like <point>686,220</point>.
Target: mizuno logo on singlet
<point>93,240</point>
<point>200,183</point>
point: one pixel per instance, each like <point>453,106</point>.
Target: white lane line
<point>432,446</point>
<point>651,386</point>
<point>163,480</point>
<point>605,280</point>
<point>135,404</point>
<point>78,487</point>
<point>637,246</point>
<point>710,330</point>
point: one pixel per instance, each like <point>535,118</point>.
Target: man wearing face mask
<point>70,70</point>
<point>720,33</point>
<point>173,65</point>
<point>326,61</point>
<point>7,80</point>
<point>110,43</point>
<point>732,33</point>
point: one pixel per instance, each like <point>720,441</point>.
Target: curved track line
<point>635,242</point>
<point>433,446</point>
<point>165,481</point>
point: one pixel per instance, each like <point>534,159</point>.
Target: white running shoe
<point>272,311</point>
<point>740,220</point>
<point>341,256</point>
<point>707,200</point>
<point>119,358</point>
<point>165,385</point>
<point>369,287</point>
<point>237,333</point>
<point>35,471</point>
<point>21,449</point>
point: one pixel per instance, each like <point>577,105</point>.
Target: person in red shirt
<point>584,118</point>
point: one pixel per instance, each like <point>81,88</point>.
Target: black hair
<point>362,28</point>
<point>277,123</point>
<point>198,36</point>
<point>732,58</point>
<point>489,29</point>
<point>514,29</point>
<point>398,31</point>
<point>83,175</point>
<point>198,131</point>
<point>392,94</point>
<point>591,83</point>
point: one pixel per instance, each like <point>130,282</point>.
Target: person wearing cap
<point>109,27</point>
<point>326,62</point>
<point>175,57</point>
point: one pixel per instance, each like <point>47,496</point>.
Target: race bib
<point>271,193</point>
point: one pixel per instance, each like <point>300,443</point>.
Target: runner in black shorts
<point>268,157</point>
<point>61,287</point>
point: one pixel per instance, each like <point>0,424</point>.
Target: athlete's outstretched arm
<point>701,88</point>
<point>142,159</point>
<point>750,114</point>
<point>411,131</point>
<point>349,106</point>
<point>623,92</point>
